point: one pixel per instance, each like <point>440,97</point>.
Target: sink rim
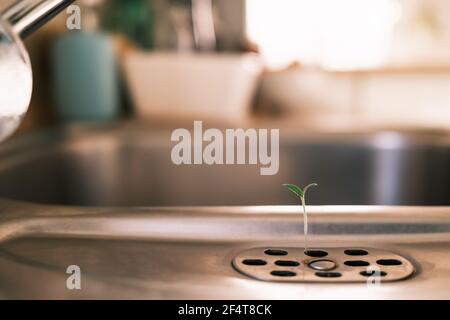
<point>228,224</point>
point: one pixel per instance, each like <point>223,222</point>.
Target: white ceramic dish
<point>217,87</point>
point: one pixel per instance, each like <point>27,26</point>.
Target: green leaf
<point>309,186</point>
<point>294,189</point>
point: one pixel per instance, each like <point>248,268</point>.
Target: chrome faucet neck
<point>26,16</point>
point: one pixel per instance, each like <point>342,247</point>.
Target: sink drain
<point>322,265</point>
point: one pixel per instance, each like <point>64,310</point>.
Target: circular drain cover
<point>323,265</point>
<point>334,265</point>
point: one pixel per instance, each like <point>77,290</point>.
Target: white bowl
<point>217,87</point>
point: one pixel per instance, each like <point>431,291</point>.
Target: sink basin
<point>127,166</point>
<point>187,253</point>
<point>110,201</point>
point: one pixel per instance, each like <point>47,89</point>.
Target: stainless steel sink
<point>89,196</point>
<point>187,253</point>
<point>127,166</point>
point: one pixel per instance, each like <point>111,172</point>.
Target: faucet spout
<point>26,16</point>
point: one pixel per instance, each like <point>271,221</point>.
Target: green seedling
<point>301,193</point>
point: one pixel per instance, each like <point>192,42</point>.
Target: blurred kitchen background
<point>324,63</point>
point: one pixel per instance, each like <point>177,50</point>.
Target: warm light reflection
<point>334,34</point>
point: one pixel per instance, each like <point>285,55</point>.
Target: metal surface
<point>188,252</point>
<point>323,265</point>
<point>127,165</point>
<point>26,16</point>
<point>382,265</point>
<point>16,81</point>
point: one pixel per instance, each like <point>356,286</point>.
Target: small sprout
<point>301,193</point>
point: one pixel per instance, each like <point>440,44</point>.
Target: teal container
<point>86,79</point>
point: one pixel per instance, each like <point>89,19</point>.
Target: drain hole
<point>254,262</point>
<point>286,263</point>
<point>276,252</point>
<point>357,263</point>
<point>373,273</point>
<point>389,262</point>
<point>278,273</point>
<point>316,253</point>
<point>356,252</point>
<point>329,274</point>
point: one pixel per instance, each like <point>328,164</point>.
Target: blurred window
<point>333,34</point>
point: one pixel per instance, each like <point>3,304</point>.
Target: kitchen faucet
<point>17,22</point>
<point>26,16</point>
